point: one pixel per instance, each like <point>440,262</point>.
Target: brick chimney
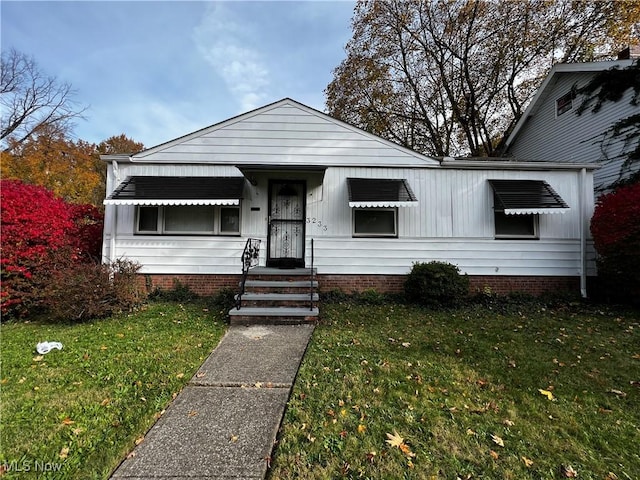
<point>632,51</point>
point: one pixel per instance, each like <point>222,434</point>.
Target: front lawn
<point>399,392</point>
<point>77,412</point>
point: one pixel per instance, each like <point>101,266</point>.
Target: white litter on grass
<point>45,347</point>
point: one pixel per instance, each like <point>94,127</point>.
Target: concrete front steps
<point>277,297</point>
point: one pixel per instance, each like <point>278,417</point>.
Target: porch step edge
<point>302,297</point>
<point>275,312</point>
<point>280,283</point>
<point>293,272</point>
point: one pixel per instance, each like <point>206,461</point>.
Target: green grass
<point>455,384</point>
<point>83,408</point>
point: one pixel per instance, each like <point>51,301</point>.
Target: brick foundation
<point>206,285</point>
<point>360,283</point>
<point>203,285</point>
<point>501,285</point>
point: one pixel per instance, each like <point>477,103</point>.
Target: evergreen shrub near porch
<point>436,284</point>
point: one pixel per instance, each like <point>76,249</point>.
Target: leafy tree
<point>615,227</point>
<point>119,144</point>
<point>453,77</point>
<point>71,169</point>
<point>32,101</point>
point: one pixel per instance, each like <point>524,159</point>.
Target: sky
<point>158,70</point>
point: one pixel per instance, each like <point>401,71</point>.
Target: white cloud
<point>226,44</point>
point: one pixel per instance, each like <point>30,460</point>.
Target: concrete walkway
<point>224,423</point>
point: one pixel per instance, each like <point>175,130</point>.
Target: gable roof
<point>586,68</point>
<point>284,133</point>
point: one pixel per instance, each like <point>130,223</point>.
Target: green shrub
<point>436,284</point>
<point>180,292</point>
<point>371,296</point>
<point>334,295</point>
<point>224,300</point>
<point>84,291</point>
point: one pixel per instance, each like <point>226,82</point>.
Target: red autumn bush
<point>615,228</point>
<point>41,234</point>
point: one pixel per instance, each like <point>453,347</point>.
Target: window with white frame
<point>565,103</point>
<point>375,222</point>
<point>523,226</point>
<point>188,220</point>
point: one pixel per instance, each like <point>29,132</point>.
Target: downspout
<point>114,217</point>
<point>583,233</point>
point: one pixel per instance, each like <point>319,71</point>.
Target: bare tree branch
<point>30,100</point>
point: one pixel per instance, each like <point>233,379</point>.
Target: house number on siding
<point>318,223</point>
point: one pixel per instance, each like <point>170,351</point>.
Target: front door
<point>286,224</point>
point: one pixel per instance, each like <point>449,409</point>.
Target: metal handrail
<point>249,259</point>
<point>312,276</point>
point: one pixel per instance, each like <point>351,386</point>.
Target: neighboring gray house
<point>310,186</point>
<point>550,129</point>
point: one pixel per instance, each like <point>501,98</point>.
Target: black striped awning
<point>519,197</point>
<point>138,190</point>
<point>380,192</point>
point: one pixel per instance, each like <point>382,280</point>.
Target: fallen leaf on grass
<point>470,432</point>
<point>394,440</point>
<point>105,402</point>
<point>611,476</point>
<point>180,375</point>
<point>618,393</point>
<point>404,448</point>
<point>546,393</point>
<point>104,347</point>
<point>527,462</point>
<point>494,454</point>
<point>139,440</point>
<point>497,440</point>
<point>361,428</point>
<point>38,358</point>
<point>68,421</point>
<point>508,422</point>
<point>64,453</point>
<point>568,471</point>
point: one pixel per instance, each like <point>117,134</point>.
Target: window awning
<point>520,197</point>
<point>380,192</point>
<point>178,191</point>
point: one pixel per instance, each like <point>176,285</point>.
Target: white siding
<point>573,138</point>
<point>284,134</point>
<point>453,222</point>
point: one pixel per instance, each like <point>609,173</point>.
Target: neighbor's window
<point>375,222</point>
<point>516,226</point>
<point>564,103</point>
<point>188,220</point>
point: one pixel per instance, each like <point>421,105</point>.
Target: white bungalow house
<point>317,191</point>
<point>550,129</point>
